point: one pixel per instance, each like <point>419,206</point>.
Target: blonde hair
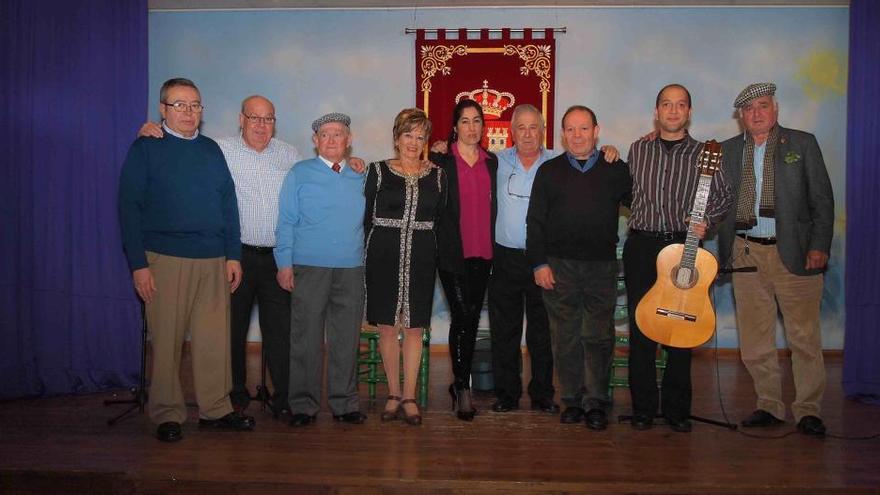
<point>409,119</point>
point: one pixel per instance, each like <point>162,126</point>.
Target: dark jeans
<point>464,293</point>
<point>512,288</point>
<point>581,312</point>
<point>640,268</point>
<point>258,283</point>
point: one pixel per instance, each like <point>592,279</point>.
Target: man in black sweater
<point>571,244</point>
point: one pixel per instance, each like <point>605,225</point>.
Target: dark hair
<point>456,114</point>
<point>173,83</point>
<point>673,85</point>
<point>579,108</point>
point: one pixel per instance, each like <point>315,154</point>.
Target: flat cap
<point>753,91</point>
<point>331,117</point>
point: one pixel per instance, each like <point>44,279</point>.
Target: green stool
<point>371,372</point>
<point>621,362</point>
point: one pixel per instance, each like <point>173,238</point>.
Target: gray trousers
<point>323,300</point>
<point>581,312</point>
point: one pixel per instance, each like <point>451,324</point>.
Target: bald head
<point>257,121</point>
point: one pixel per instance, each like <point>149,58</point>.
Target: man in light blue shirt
<point>512,287</point>
<point>320,252</point>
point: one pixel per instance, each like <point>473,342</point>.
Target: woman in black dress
<point>405,196</point>
<point>465,235</point>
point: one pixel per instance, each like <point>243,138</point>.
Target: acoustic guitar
<point>677,311</point>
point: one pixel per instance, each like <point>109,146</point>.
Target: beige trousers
<point>758,298</point>
<point>191,294</point>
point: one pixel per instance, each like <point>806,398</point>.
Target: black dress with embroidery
<point>401,244</point>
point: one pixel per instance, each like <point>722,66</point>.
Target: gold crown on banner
<point>494,102</point>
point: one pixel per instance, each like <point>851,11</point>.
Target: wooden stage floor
<point>63,445</point>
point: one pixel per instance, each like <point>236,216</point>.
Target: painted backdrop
<point>310,62</point>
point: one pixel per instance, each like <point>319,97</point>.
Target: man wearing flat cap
<point>781,223</point>
<point>319,252</point>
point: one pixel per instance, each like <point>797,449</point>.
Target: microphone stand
<point>139,392</point>
<point>624,418</point>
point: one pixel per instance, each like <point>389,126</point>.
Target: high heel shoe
<point>391,415</point>
<point>462,403</point>
<point>415,419</point>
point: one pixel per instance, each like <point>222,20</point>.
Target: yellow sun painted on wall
<point>822,74</point>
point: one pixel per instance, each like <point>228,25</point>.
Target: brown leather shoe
<point>411,419</point>
<point>389,415</point>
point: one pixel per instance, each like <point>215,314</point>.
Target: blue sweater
<point>176,197</point>
<point>320,217</point>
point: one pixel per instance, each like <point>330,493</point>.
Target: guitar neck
<point>698,212</point>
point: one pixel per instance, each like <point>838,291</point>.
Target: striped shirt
<point>664,185</point>
<point>258,177</point>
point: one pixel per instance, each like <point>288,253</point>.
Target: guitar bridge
<point>676,315</point>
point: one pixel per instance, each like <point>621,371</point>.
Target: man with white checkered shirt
<point>258,163</point>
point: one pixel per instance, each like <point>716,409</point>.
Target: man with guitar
<point>782,224</point>
<point>665,180</point>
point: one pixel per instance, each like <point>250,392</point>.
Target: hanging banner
<point>497,73</point>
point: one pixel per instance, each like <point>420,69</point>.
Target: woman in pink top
<point>465,237</point>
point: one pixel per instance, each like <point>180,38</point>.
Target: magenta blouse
<point>475,198</point>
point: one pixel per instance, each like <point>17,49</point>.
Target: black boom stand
<point>139,393</point>
<point>626,418</point>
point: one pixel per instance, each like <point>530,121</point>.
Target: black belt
<point>257,249</point>
<point>661,236</point>
<point>764,241</point>
<point>513,250</point>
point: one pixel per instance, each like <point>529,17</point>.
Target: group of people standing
<point>331,242</point>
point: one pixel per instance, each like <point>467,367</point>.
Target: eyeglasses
<point>256,119</point>
<point>180,106</point>
<point>511,193</point>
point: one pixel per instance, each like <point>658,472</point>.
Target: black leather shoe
<point>232,421</point>
<point>505,405</point>
<point>811,425</point>
<point>641,422</point>
<point>169,431</point>
<point>354,417</point>
<point>679,425</point>
<point>571,415</point>
<point>761,418</point>
<point>300,419</point>
<point>596,419</point>
<point>545,405</point>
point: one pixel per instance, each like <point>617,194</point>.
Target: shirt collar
<point>177,134</point>
<point>591,160</point>
<point>330,164</point>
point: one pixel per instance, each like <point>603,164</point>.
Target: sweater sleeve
<point>288,218</point>
<point>536,220</point>
<point>371,187</point>
<point>231,224</point>
<point>131,198</point>
<point>625,183</point>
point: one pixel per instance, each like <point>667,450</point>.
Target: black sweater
<point>573,215</point>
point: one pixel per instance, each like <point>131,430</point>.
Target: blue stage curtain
<point>861,367</point>
<point>73,93</point>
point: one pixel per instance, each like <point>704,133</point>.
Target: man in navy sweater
<point>571,241</point>
<point>180,232</point>
<point>319,252</point>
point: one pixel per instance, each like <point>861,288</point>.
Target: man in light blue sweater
<point>319,252</point>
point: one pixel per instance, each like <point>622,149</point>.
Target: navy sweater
<point>176,197</point>
<point>573,214</point>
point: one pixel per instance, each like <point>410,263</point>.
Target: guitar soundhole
<point>684,278</point>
